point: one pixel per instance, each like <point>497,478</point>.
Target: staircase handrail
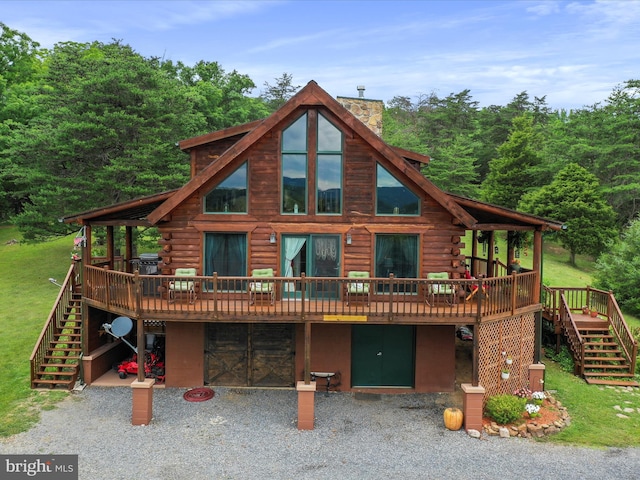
<point>622,332</point>
<point>575,340</point>
<point>54,321</point>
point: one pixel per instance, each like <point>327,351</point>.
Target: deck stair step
<point>604,363</point>
<point>594,366</point>
<point>619,383</point>
<point>610,374</point>
<point>60,364</point>
<point>52,383</point>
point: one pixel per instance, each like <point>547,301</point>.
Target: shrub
<point>563,358</point>
<point>505,408</point>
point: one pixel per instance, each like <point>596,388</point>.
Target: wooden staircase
<point>604,363</point>
<point>60,364</point>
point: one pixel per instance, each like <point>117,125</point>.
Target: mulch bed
<point>552,418</point>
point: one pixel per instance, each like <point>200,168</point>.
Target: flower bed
<point>552,417</point>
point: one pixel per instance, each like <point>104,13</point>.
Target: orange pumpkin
<point>453,418</point>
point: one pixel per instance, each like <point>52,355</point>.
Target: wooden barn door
<point>250,355</point>
<point>271,355</point>
<point>226,354</point>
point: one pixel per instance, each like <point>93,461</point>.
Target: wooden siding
<point>187,224</point>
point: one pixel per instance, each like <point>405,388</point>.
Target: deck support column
<point>472,406</point>
<point>536,377</point>
<point>306,405</point>
<point>306,388</point>
<point>142,411</point>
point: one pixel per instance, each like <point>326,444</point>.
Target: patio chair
<point>436,291</point>
<point>359,288</point>
<point>262,287</point>
<point>180,287</point>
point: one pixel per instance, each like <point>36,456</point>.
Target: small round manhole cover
<point>198,394</point>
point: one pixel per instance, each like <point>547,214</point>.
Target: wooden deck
<point>304,299</point>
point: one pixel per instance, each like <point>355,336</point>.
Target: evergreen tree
<point>277,95</point>
<point>518,167</point>
<point>574,197</point>
<point>618,269</point>
<point>106,131</point>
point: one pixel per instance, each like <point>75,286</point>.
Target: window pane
<point>329,193</point>
<point>329,137</point>
<point>397,254</point>
<point>226,254</point>
<point>392,197</point>
<point>230,195</point>
<point>294,137</point>
<point>294,183</point>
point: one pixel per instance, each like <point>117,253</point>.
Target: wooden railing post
<point>391,277</point>
<point>514,292</point>
<point>215,295</point>
<point>137,293</point>
<point>303,294</point>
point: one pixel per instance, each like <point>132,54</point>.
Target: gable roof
<point>310,95</point>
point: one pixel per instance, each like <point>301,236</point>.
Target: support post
<point>472,406</point>
<point>307,353</point>
<point>306,405</point>
<point>536,377</point>
<point>142,411</point>
<point>111,256</point>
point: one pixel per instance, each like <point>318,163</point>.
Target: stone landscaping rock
<point>473,433</point>
<point>504,432</point>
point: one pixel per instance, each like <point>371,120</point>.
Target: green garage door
<point>382,356</point>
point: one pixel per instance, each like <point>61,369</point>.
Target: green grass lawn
<point>27,298</point>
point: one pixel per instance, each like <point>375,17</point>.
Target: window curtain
<point>292,246</point>
<point>384,251</point>
<point>225,254</point>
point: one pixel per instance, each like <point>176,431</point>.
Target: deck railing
<point>55,322</point>
<point>572,334</point>
<point>573,299</point>
<point>301,298</point>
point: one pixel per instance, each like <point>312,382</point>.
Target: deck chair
<point>180,287</point>
<point>261,287</point>
<point>437,291</point>
<point>358,288</point>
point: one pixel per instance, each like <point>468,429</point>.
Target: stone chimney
<point>367,111</point>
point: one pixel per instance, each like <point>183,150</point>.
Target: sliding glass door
<point>315,256</point>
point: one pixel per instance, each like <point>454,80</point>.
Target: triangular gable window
<point>230,196</point>
<point>392,197</point>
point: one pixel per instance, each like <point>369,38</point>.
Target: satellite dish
<point>121,326</point>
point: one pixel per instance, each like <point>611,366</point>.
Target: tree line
<point>84,125</point>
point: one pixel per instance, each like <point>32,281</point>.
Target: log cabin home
<point>310,245</point>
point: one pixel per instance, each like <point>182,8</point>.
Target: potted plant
<point>532,410</point>
<point>508,360</point>
<point>585,310</point>
<point>594,312</point>
<point>538,398</point>
<point>504,374</point>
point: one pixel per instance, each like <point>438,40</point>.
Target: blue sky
<point>574,52</point>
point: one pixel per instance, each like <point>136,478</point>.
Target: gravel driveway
<point>252,434</point>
